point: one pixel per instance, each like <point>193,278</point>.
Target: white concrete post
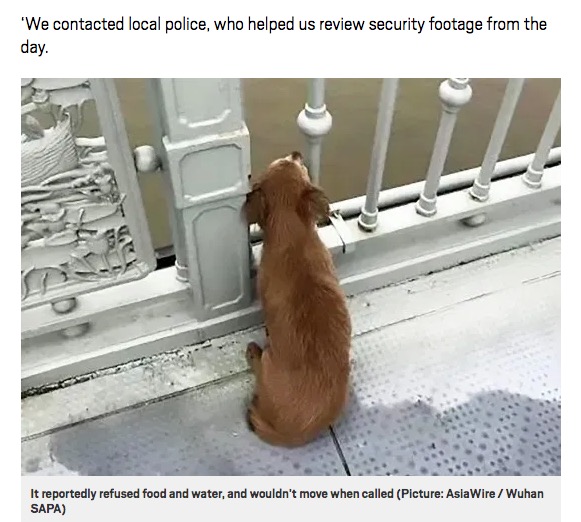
<point>368,217</point>
<point>206,153</point>
<point>534,174</point>
<point>454,94</point>
<point>315,122</point>
<point>481,187</point>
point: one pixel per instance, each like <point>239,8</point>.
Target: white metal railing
<point>315,122</point>
<point>454,94</point>
<point>384,236</point>
<point>481,186</point>
<point>368,216</point>
<point>534,173</point>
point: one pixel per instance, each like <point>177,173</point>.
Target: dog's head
<point>285,186</point>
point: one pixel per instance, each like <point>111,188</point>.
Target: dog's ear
<point>314,204</point>
<point>255,206</point>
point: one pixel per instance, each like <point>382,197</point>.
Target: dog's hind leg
<point>253,356</point>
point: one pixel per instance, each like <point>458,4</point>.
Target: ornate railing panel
<point>83,226</point>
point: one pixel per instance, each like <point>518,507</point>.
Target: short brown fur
<point>302,376</point>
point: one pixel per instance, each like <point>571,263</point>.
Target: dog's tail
<point>269,434</point>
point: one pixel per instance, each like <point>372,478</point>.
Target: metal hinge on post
<point>342,231</point>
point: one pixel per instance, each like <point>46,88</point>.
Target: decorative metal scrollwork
<point>73,226</point>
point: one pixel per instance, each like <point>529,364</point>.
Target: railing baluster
<point>368,217</point>
<point>454,94</point>
<point>481,187</point>
<point>534,174</point>
<point>315,122</point>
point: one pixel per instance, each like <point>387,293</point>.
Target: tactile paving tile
<point>471,390</point>
<point>198,433</point>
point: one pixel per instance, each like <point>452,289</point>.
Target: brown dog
<point>302,376</point>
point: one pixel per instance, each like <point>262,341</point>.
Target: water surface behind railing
<point>272,106</point>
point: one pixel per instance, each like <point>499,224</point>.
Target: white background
<point>547,53</point>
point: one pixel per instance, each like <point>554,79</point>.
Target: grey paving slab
<point>471,390</point>
<point>197,433</point>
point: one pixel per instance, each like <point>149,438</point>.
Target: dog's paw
<point>253,351</point>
